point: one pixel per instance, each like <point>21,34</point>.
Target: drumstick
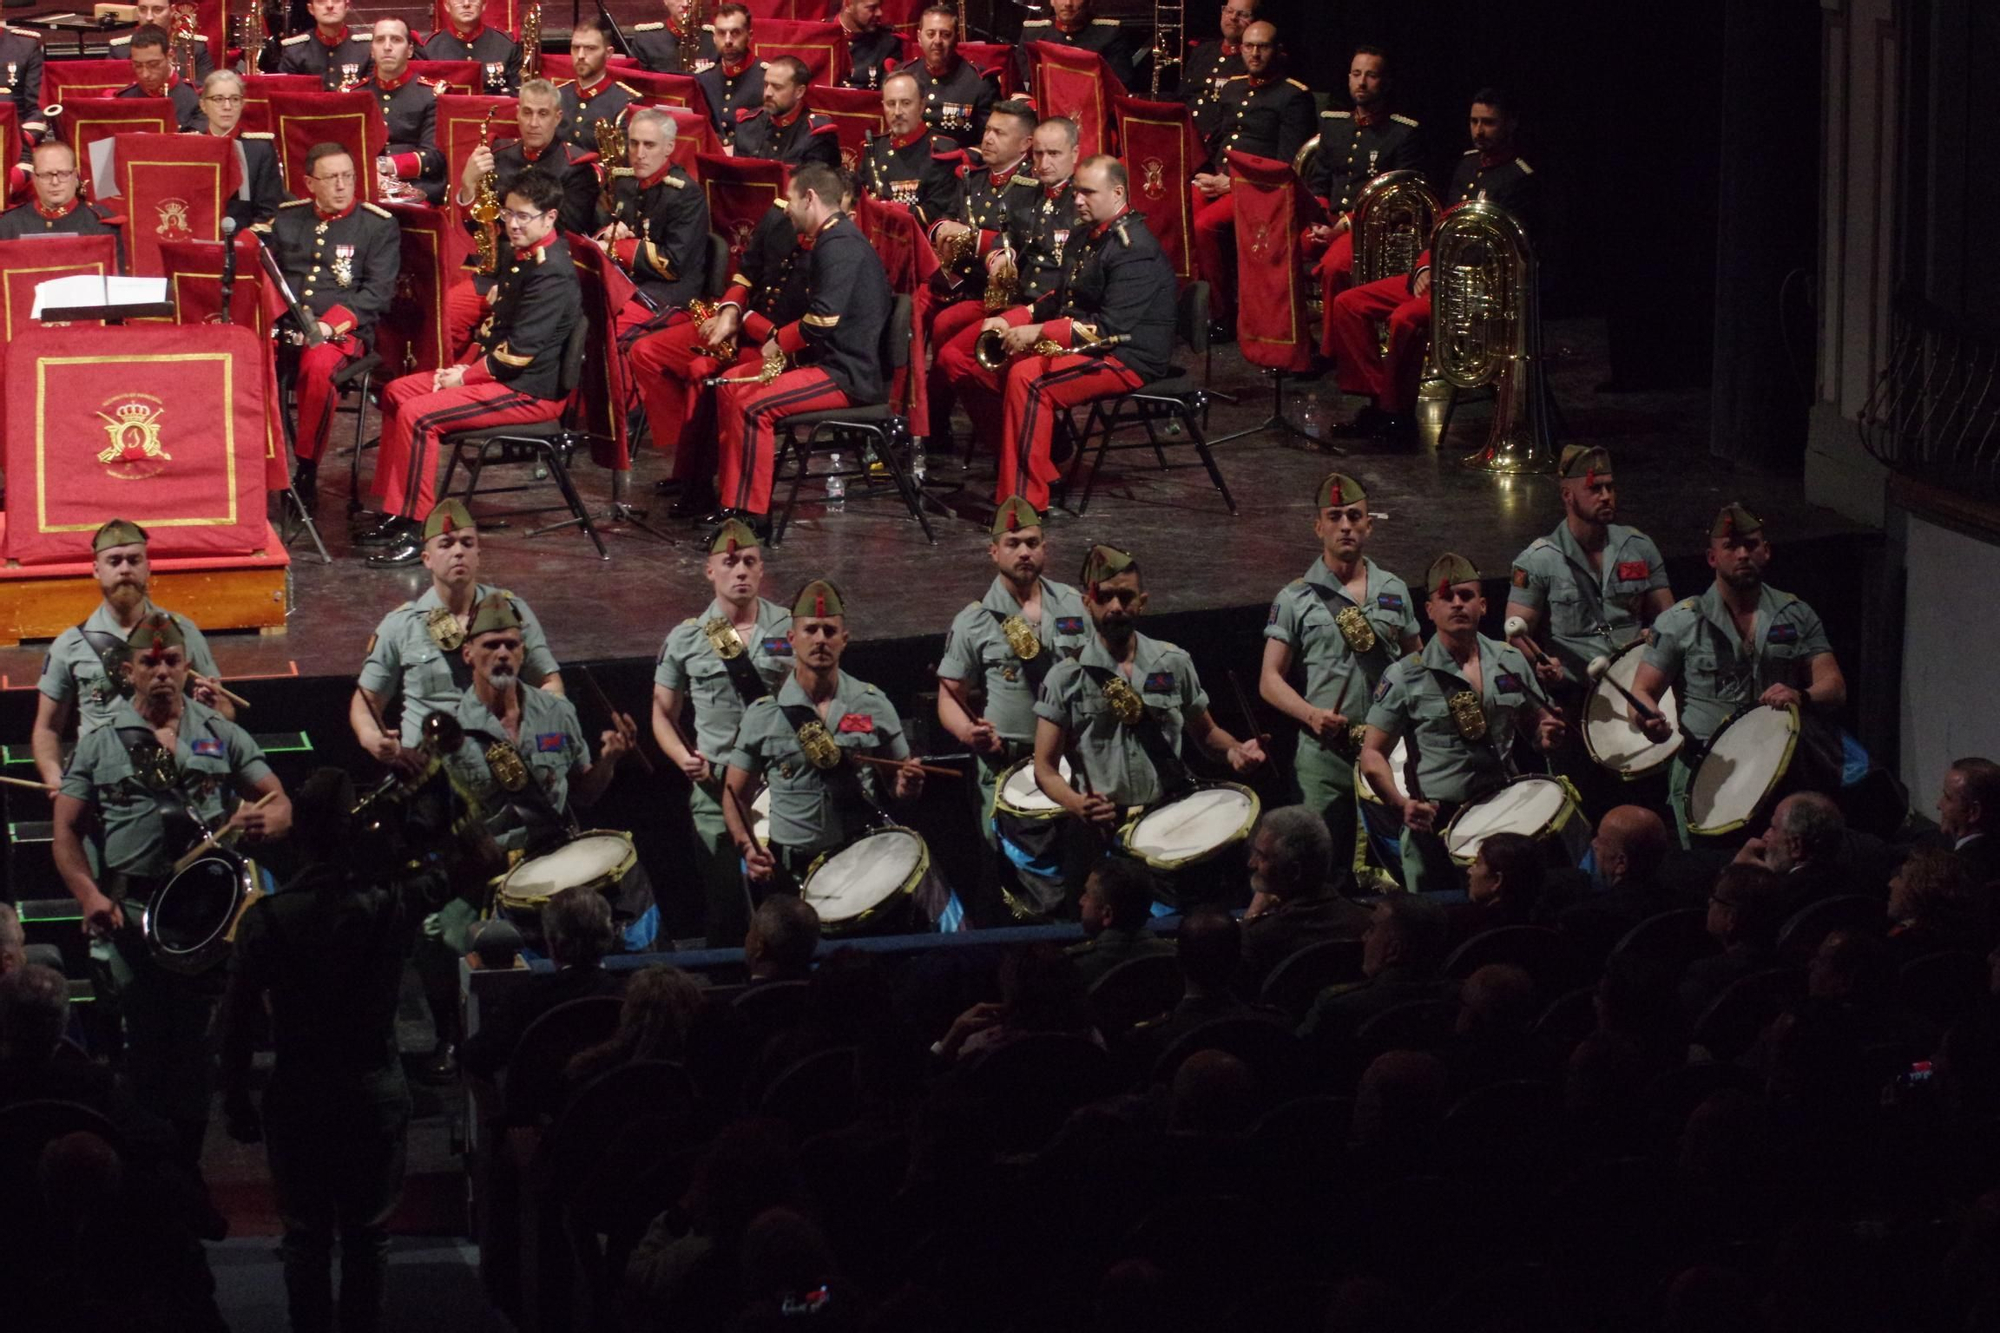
<point>220,688</point>
<point>1249,713</point>
<point>899,763</point>
<point>32,786</point>
<point>208,838</point>
<point>603,702</point>
<point>1600,669</point>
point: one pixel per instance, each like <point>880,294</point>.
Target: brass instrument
<point>531,42</point>
<point>181,43</point>
<point>990,351</point>
<point>701,312</point>
<point>964,31</point>
<point>1003,289</point>
<point>245,32</point>
<point>52,122</point>
<point>486,205</point>
<point>1306,160</point>
<point>1467,715</point>
<point>1169,39</point>
<point>611,152</point>
<point>1354,627</point>
<point>1394,216</point>
<point>1486,328</point>
<point>687,49</point>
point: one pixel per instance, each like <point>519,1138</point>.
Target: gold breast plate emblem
<point>1124,701</point>
<point>1467,715</point>
<point>1021,638</point>
<point>818,746</point>
<point>723,638</point>
<point>444,629</point>
<point>1354,627</point>
<point>507,766</point>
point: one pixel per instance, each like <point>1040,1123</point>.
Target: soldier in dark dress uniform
<point>263,187</point>
<point>21,75</point>
<point>660,46</point>
<point>784,129</point>
<point>160,14</point>
<point>1215,62</point>
<point>56,207</point>
<point>957,95</point>
<point>330,50</point>
<point>466,37</point>
<point>735,82</point>
<point>872,48</point>
<point>409,105</point>
<point>1072,25</point>
<point>908,165</point>
<point>1354,148</point>
<point>593,95</point>
<point>153,75</point>
<point>657,225</point>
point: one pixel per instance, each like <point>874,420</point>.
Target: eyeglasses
<point>338,178</point>
<point>525,218</point>
<point>55,175</point>
<point>222,99</point>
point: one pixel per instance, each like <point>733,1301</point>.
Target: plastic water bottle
<point>836,485</point>
<point>917,461</point>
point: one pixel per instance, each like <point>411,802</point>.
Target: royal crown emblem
<point>133,425</point>
<point>173,221</point>
<point>1153,182</point>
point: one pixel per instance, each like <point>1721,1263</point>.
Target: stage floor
<point>1196,556</point>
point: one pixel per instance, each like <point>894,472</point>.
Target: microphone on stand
<point>228,266</point>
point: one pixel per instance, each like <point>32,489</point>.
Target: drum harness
<point>1035,660</point>
<point>1361,639</point>
<point>154,769</point>
<point>1130,709</point>
<point>728,646</point>
<point>843,779</point>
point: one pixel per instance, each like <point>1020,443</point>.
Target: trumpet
<point>990,349</point>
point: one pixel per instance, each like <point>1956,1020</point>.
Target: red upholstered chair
<point>740,191</point>
<point>998,59</point>
<point>1161,152</point>
<point>86,120</point>
<point>172,187</point>
<point>823,46</point>
<point>665,89</point>
<point>1077,84</point>
<point>257,90</point>
<point>64,81</point>
<point>856,113</point>
<point>789,11</point>
<point>352,120</point>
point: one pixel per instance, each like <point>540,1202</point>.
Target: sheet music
<point>103,170</point>
<point>243,170</point>
<point>88,289</point>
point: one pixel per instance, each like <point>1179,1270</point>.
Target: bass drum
<point>1196,842</point>
<point>1611,735</point>
<point>1542,808</point>
<point>1750,764</point>
<point>191,920</point>
<point>866,887</point>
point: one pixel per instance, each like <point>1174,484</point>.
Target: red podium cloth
<point>740,191</point>
<point>66,80</point>
<point>257,90</point>
<point>193,270</point>
<point>1271,207</point>
<point>788,11</point>
<point>176,446</point>
<point>997,59</point>
<point>39,259</point>
<point>87,119</point>
<point>1162,152</point>
<point>856,113</point>
<point>173,187</point>
<point>823,46</point>
<point>606,387</point>
<point>352,120</point>
<point>1077,84</point>
<point>501,14</point>
<point>465,77</point>
<point>911,263</point>
<point>458,120</point>
<point>664,89</point>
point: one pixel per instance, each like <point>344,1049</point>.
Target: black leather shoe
<point>305,483</point>
<point>393,532</point>
<point>1368,423</point>
<point>361,519</point>
<point>407,552</point>
<point>442,1067</point>
<point>667,486</point>
<point>694,507</point>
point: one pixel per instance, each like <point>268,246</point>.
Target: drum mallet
<point>1600,669</point>
<point>611,715</point>
<point>1516,630</point>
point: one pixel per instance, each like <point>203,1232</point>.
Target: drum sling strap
<point>1036,669</point>
<point>843,782</point>
<point>530,807</point>
<point>1167,766</point>
<point>749,685</point>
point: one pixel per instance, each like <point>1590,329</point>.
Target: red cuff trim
<point>479,372</point>
<point>756,329</point>
<point>737,295</point>
<point>1058,330</point>
<point>408,166</point>
<point>626,249</point>
<point>340,319</point>
<point>792,338</point>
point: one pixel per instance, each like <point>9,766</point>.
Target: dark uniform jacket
<point>1265,117</point>
<point>499,56</point>
<point>729,91</point>
<point>410,107</point>
<point>266,184</point>
<point>657,46</point>
<point>956,103</point>
<point>771,287</point>
<point>1509,183</point>
<point>536,302</point>
<point>306,53</point>
<point>1352,154</point>
<point>120,48</point>
<point>805,137</point>
<point>21,73</point>
<point>1209,66</point>
<point>871,56</point>
<point>575,167</point>
<point>342,268</point>
<point>847,304</point>
<point>992,198</point>
<point>1119,283</point>
<point>668,257</point>
<point>920,172</point>
<point>582,109</point>
<point>1103,36</point>
<point>80,219</point>
<point>187,103</point>
<point>1040,229</point>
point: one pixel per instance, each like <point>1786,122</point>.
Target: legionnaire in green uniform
<point>1740,642</point>
<point>996,656</point>
<point>84,670</point>
<point>722,661</point>
<point>797,741</point>
<point>130,787</point>
<point>414,653</point>
<point>1459,704</point>
<point>1346,621</point>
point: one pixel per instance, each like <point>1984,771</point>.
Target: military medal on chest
<point>343,265</point>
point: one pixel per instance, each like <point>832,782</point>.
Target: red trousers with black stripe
<point>317,399</point>
<point>955,325</point>
<point>745,414</point>
<point>1039,389</point>
<point>465,306</point>
<point>668,376</point>
<point>1215,250</point>
<point>415,417</point>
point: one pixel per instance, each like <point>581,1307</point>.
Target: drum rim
<point>1675,744</point>
<point>909,887</point>
<point>1000,802</point>
<point>1250,819</point>
<point>1784,767</point>
<point>201,956</point>
<point>504,898</point>
<point>1554,826</point>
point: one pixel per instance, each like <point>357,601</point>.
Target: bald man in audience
<point>1630,845</point>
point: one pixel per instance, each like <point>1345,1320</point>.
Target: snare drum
<point>1195,842</point>
<point>191,920</point>
<point>1611,735</point>
<point>598,861</point>
<point>1027,821</point>
<point>1543,808</point>
<point>1747,765</point>
<point>867,885</point>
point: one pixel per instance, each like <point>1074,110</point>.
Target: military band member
<point>1346,622</point>
<point>1354,148</point>
<point>999,651</point>
<point>956,93</point>
<point>657,226</point>
<point>160,14</point>
<point>1071,24</point>
<point>785,129</point>
<point>57,207</point>
<point>737,651</point>
<point>873,48</point>
<point>409,106</point>
<point>21,76</point>
<point>1118,284</point>
<point>515,379</point>
<point>906,164</point>
<point>1490,170</point>
<point>1214,63</point>
<point>1458,705</point>
<point>835,346</point>
<point>153,76</point>
<point>1260,113</point>
<point>263,187</point>
<point>329,50</point>
<point>657,46</point>
<point>413,660</point>
<point>129,789</point>
<point>593,95</point>
<point>1122,711</point>
<point>735,82</point>
<point>340,257</point>
<point>797,740</point>
<point>83,671</point>
<point>465,36</point>
<point>1741,642</point>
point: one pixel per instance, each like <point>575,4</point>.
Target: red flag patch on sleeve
<point>1634,569</point>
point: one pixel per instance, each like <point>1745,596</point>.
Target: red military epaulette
<point>744,113</point>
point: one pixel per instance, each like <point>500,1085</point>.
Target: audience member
<point>1630,845</point>
<point>1211,957</point>
<point>1935,905</point>
<point>1296,890</point>
<point>1969,813</point>
<point>1495,1038</point>
<point>1745,909</point>
<point>1214,1095</point>
<point>660,1009</point>
<point>1805,847</point>
<point>1604,1096</point>
<point>790,1274</point>
<point>577,926</point>
<point>13,941</point>
<point>1398,1106</point>
<point>783,936</point>
<point>1117,904</point>
<point>1400,956</point>
<point>1040,991</point>
<point>1503,887</point>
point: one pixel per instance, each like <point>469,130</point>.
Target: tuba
<point>486,204</point>
<point>531,42</point>
<point>1486,329</point>
<point>1169,25</point>
<point>1394,217</point>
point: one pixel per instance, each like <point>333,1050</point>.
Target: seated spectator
<point>1400,956</point>
<point>1806,847</point>
<point>1211,954</point>
<point>661,1005</point>
<point>1638,1000</point>
<point>783,936</point>
<point>1745,909</point>
<point>1934,905</point>
<point>1117,904</point>
<point>1214,1096</point>
<point>34,1014</point>
<point>1852,968</point>
<point>1604,1096</point>
<point>789,1271</point>
<point>577,926</point>
<point>1398,1106</point>
<point>13,942</point>
<point>1040,991</point>
<point>1969,816</point>
<point>1495,1041</point>
<point>1296,900</point>
<point>1503,887</point>
<point>1630,844</point>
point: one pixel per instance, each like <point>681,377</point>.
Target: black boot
<point>305,482</point>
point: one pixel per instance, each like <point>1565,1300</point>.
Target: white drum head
<point>590,859</point>
<point>1399,755</point>
<point>1529,806</point>
<point>1193,825</point>
<point>1743,764</point>
<point>1023,795</point>
<point>1610,724</point>
<point>760,816</point>
<point>865,874</point>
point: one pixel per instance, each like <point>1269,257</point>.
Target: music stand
<point>107,308</point>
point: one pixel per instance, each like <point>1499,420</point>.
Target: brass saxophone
<point>687,50</point>
<point>1486,328</point>
<point>1003,289</point>
<point>181,41</point>
<point>701,312</point>
<point>531,42</point>
<point>611,152</point>
<point>486,204</point>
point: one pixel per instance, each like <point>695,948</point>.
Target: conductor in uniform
<point>329,49</point>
